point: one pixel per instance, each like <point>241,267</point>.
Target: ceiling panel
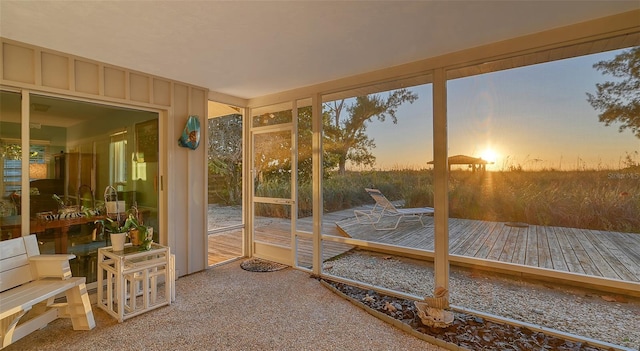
<point>249,49</point>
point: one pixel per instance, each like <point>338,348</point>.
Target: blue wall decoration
<point>191,134</point>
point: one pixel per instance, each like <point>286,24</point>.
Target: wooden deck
<point>228,245</point>
<point>591,252</point>
<point>595,253</point>
<point>224,246</point>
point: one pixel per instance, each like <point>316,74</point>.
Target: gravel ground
<point>228,308</point>
<point>468,331</point>
<point>605,317</point>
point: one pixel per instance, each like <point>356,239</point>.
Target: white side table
<point>128,280</point>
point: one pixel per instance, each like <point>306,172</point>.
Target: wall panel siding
<point>21,61</point>
<point>140,88</point>
<point>55,71</point>
<point>24,66</point>
<point>161,92</point>
<point>199,200</point>
<point>87,77</point>
<point>115,83</point>
<point>179,172</point>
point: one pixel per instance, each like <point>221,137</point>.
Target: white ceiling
<point>253,48</point>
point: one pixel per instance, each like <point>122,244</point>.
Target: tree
<point>270,169</point>
<point>619,101</point>
<point>305,136</point>
<point>346,138</point>
<point>225,158</point>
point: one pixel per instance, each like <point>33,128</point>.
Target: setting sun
<point>489,155</point>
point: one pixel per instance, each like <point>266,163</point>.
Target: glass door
<point>273,172</point>
<point>77,150</point>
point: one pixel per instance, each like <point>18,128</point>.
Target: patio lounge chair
<point>385,209</point>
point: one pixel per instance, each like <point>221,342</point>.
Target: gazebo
<point>475,163</point>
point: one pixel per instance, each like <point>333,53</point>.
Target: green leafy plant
<point>139,234</point>
<point>136,231</point>
<point>113,226</point>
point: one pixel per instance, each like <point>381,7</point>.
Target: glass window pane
<point>273,223</point>
<point>559,178</point>
<point>271,115</point>
<point>11,165</point>
<point>272,164</point>
<point>381,140</point>
<point>305,165</point>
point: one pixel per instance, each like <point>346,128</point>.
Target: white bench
<point>29,284</point>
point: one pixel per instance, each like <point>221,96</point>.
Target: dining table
<point>11,225</point>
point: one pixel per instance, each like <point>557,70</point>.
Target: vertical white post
<point>24,181</point>
<point>316,152</point>
<point>119,277</point>
<point>294,181</point>
<point>441,179</point>
<point>247,183</point>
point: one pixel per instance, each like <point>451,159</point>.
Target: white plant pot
<point>117,241</point>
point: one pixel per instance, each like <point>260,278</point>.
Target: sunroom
<point>293,132</point>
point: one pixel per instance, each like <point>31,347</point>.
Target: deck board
<point>627,244</point>
<point>610,253</point>
<point>588,266</point>
<point>495,244</point>
<point>597,253</point>
<point>619,249</point>
<point>224,246</point>
<point>557,256</point>
<point>479,243</point>
<point>461,238</point>
<point>544,251</point>
<point>625,267</point>
<point>456,240</point>
<point>520,249</point>
<point>531,251</point>
<point>510,235</point>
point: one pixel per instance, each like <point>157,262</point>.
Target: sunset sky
<point>536,117</point>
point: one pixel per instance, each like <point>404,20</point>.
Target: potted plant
<point>147,234</point>
<point>117,231</point>
<point>139,234</point>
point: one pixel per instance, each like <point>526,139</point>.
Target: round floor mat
<point>260,265</point>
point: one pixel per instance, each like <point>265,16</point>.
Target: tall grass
<point>601,200</point>
<point>579,199</point>
<point>587,199</point>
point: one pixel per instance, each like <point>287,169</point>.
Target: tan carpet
<point>228,308</point>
